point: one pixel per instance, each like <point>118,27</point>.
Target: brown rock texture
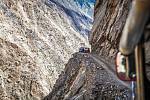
<point>109,20</point>
<point>92,76</point>
<point>85,78</point>
<point>19,74</point>
<point>36,40</point>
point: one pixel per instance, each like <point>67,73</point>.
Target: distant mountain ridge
<point>87,6</point>
<point>80,12</point>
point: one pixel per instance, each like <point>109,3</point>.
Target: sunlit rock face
<point>44,35</point>
<point>20,76</point>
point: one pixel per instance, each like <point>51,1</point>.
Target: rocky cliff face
<point>92,76</point>
<point>36,40</point>
<point>83,77</point>
<point>20,76</point>
<point>109,19</point>
<point>88,77</point>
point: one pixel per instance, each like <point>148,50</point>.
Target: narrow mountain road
<point>89,77</point>
<point>109,67</point>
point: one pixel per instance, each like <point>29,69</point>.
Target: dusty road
<point>109,67</point>
<point>89,77</point>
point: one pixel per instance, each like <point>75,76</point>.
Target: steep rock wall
<point>20,77</point>
<point>45,35</point>
<point>109,19</point>
<point>89,76</point>
<point>86,78</point>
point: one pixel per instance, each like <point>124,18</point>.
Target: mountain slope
<point>92,76</point>
<point>86,6</point>
<point>81,20</point>
<point>87,77</point>
<point>44,32</point>
<point>20,76</point>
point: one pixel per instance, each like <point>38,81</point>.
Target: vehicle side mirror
<point>124,68</point>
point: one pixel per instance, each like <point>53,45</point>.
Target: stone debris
<point>85,79</point>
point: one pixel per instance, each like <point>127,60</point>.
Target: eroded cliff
<point>89,77</point>
<point>20,77</point>
<point>109,19</point>
<point>36,40</point>
<point>92,76</point>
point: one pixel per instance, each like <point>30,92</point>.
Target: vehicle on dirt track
<point>84,50</point>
